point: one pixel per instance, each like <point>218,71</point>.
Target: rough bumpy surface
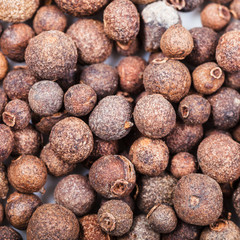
<point>52,221</point>
<point>3,101</point>
<point>185,5</point>
<point>3,182</point>
<point>3,66</point>
<point>119,183</point>
<point>170,78</point>
<point>92,43</point>
<point>71,140</point>
<point>236,201</point>
<point>198,199</point>
<point>51,55</point>
<point>9,233</point>
<point>154,116</point>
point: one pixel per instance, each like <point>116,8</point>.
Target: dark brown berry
<point>1,214</point>
<point>235,9</point>
<point>4,188</point>
<point>3,66</point>
<point>8,233</point>
<point>156,57</point>
<point>128,49</point>
<point>233,80</point>
<point>185,5</point>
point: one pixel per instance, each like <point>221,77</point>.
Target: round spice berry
<point>131,48</point>
<point>156,57</point>
<point>185,5</point>
<point>235,9</point>
<point>1,214</point>
<point>9,233</point>
<point>233,80</point>
<point>4,188</point>
<point>3,66</point>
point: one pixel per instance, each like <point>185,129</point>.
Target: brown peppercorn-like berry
<point>228,51</point>
<point>157,18</point>
<point>184,137</point>
<point>205,43</point>
<point>3,101</point>
<point>9,234</point>
<point>110,119</point>
<point>236,201</point>
<point>176,42</point>
<point>92,43</point>
<point>49,18</point>
<point>3,182</point>
<point>1,214</point>
<point>18,10</point>
<point>15,39</point>
<point>20,207</point>
<point>51,55</point>
<point>18,82</point>
<point>130,70</point>
<point>71,140</point>
<point>236,133</point>
<point>154,116</point>
<point>222,229</point>
<point>75,193</point>
<point>170,78</point>
<point>80,99</point>
<point>194,109</point>
<point>131,48</point>
<point>198,199</point>
<point>45,98</point>
<point>235,9</point>
<point>208,78</point>
<point>149,156</point>
<point>121,21</point>
<point>155,190</point>
<point>53,221</point>
<point>233,25</point>
<point>162,218</point>
<point>233,80</point>
<point>115,217</point>
<point>225,108</point>
<point>156,57</point>
<point>16,114</point>
<point>215,16</point>
<point>119,183</point>
<point>3,66</point>
<point>182,164</point>
<point>102,78</point>
<point>185,5</point>
<point>81,7</point>
<point>219,157</point>
<point>27,174</point>
<point>90,228</point>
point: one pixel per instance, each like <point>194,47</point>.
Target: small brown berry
<point>185,5</point>
<point>3,66</point>
<point>131,48</point>
<point>1,214</point>
<point>3,101</point>
<point>4,188</point>
<point>235,9</point>
<point>236,133</point>
<point>233,80</point>
<point>9,233</point>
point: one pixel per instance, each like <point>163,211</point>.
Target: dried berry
<point>185,5</point>
<point>17,83</point>
<point>8,233</point>
<point>157,18</point>
<point>156,57</point>
<point>235,8</point>
<point>194,109</point>
<point>27,174</point>
<point>51,55</point>
<point>154,116</point>
<point>20,207</point>
<point>92,43</point>
<point>155,190</point>
<point>225,108</point>
<point>102,78</point>
<point>79,100</point>
<point>205,43</point>
<point>162,218</point>
<point>54,222</point>
<point>215,16</point>
<point>198,199</point>
<point>3,101</point>
<point>3,66</point>
<point>176,42</point>
<point>236,133</point>
<point>49,18</point>
<point>71,140</point>
<point>233,80</point>
<point>3,182</point>
<point>119,183</point>
<point>170,78</point>
<point>115,217</point>
<point>1,214</point>
<point>128,49</point>
<point>110,119</point>
<point>149,156</point>
<point>236,201</point>
<point>233,25</point>
<point>184,137</point>
<point>121,21</point>
<point>228,51</point>
<point>75,193</point>
<point>15,39</point>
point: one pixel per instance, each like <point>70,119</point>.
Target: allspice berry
<point>111,118</point>
<point>130,70</point>
<point>233,80</point>
<point>119,183</point>
<point>236,201</point>
<point>235,9</point>
<point>3,101</point>
<point>170,78</point>
<point>51,55</point>
<point>154,116</point>
<point>129,49</point>
<point>156,57</point>
<point>3,66</point>
<point>116,21</point>
<point>198,199</point>
<point>92,43</point>
<point>115,217</point>
<point>79,100</point>
<point>27,174</point>
<point>49,18</point>
<point>20,207</point>
<point>45,98</point>
<point>54,222</point>
<point>208,78</point>
<point>1,214</point>
<point>149,156</point>
<point>4,188</point>
<point>15,39</point>
<point>9,233</point>
<point>71,140</point>
<point>185,5</point>
<point>75,193</point>
<point>176,42</point>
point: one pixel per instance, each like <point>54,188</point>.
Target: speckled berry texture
<point>9,233</point>
<point>3,182</point>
